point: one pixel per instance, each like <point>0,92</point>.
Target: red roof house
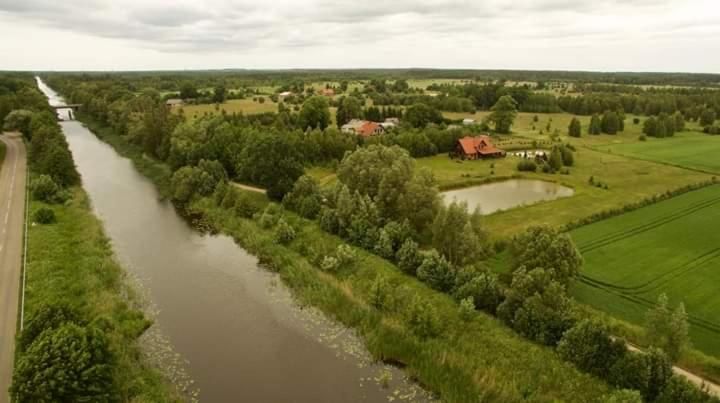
<point>473,148</point>
<point>369,129</point>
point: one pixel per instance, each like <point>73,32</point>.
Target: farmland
<point>690,150</point>
<point>670,247</point>
<point>246,106</point>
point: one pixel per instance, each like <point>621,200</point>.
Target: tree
<point>556,160</point>
<point>271,160</point>
<point>545,247</point>
<point>19,120</point>
<point>423,318</point>
<point>679,121</point>
<point>408,257</point>
<point>650,126</point>
<point>219,94</point>
<point>574,129</point>
<point>188,91</point>
<point>707,117</point>
<point>503,114</point>
<point>420,115</point>
<point>400,86</point>
<point>483,289</point>
<point>610,122</point>
<point>284,232</point>
<point>315,113</point>
<point>666,329</point>
<point>45,189</point>
<point>680,390</point>
<point>348,108</point>
<point>595,125</point>
<point>567,156</point>
<point>589,346</point>
<point>67,364</point>
<point>454,235</point>
<point>437,272</point>
<point>305,197</point>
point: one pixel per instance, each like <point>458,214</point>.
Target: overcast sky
<point>607,35</point>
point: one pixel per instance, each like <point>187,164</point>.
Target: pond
<point>507,194</point>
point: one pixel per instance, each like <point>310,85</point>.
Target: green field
<point>690,150</point>
<point>629,180</point>
<point>246,106</point>
<point>671,247</point>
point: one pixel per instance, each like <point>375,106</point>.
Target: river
<point>236,330</point>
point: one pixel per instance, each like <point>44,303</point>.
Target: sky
<point>595,35</point>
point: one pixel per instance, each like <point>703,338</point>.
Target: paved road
<point>12,218</point>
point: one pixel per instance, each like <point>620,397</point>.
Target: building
<point>468,121</point>
<point>284,94</point>
<point>174,102</point>
<point>364,128</point>
<point>328,92</point>
<point>473,148</point>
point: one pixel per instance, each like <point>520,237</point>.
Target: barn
<point>473,148</point>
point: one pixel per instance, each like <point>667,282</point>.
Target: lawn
<point>669,247</point>
<point>629,180</point>
<point>690,150</point>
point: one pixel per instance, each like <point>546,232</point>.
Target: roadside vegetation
<point>372,243</point>
<point>82,322</point>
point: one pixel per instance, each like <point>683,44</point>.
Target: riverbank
<point>71,262</point>
<point>468,360</point>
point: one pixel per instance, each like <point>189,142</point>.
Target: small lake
<point>507,194</point>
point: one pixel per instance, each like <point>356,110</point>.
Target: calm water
<point>242,336</point>
<point>503,195</point>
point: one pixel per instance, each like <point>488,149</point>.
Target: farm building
<point>473,148</point>
<point>328,92</point>
<point>174,102</point>
<point>363,128</point>
<point>468,121</point>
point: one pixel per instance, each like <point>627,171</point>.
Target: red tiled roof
<point>368,129</point>
<point>480,145</point>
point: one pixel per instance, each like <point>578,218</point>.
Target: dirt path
<point>12,218</point>
<point>712,388</point>
<point>248,187</point>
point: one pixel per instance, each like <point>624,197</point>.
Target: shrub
<point>379,292</point>
<point>329,263</point>
<point>48,316</point>
<point>636,121</point>
<point>642,137</point>
<point>437,272</point>
<point>679,390</point>
<point>409,257</point>
<point>483,289</point>
<point>45,189</point>
<point>466,309</point>
<point>345,255</point>
<point>284,232</point>
<point>67,364</point>
<point>423,318</point>
<point>44,215</point>
<point>588,346</point>
<point>527,166</point>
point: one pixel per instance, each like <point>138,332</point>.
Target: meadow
<point>690,150</point>
<point>629,180</point>
<point>245,106</point>
<point>669,247</point>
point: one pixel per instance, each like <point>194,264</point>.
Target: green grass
<point>670,247</point>
<point>246,106</point>
<point>629,180</point>
<point>690,150</point>
<point>72,261</point>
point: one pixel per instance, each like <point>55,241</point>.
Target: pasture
<point>246,106</point>
<point>670,247</point>
<point>689,150</point>
<point>629,180</point>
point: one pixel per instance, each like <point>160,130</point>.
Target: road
<point>12,218</point>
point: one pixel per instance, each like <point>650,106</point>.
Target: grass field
<point>671,247</point>
<point>246,106</point>
<point>690,150</point>
<point>629,180</point>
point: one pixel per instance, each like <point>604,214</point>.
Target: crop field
<point>671,247</point>
<point>690,150</point>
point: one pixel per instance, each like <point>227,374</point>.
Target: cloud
<point>412,30</point>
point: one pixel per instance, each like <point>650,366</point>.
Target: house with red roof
<point>473,148</point>
<point>364,128</point>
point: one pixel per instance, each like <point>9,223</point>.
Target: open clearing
<point>670,247</point>
<point>246,106</point>
<point>690,150</point>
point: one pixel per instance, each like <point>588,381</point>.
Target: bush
<point>45,189</point>
<point>68,364</point>
<point>642,137</point>
<point>330,264</point>
<point>284,232</point>
<point>345,255</point>
<point>623,396</point>
<point>636,121</point>
<point>466,309</point>
<point>423,318</point>
<point>46,317</point>
<point>409,257</point>
<point>44,215</point>
<point>588,346</point>
<point>527,166</point>
<point>679,390</point>
<point>437,272</point>
<point>483,289</point>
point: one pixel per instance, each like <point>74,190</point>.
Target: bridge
<point>68,106</point>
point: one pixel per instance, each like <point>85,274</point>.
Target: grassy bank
<point>71,262</point>
<point>475,360</point>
